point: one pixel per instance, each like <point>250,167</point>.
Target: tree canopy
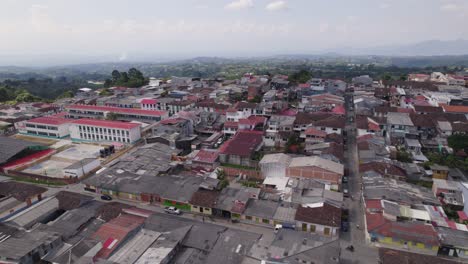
<point>132,78</point>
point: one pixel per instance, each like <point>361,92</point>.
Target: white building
<point>91,130</point>
<point>51,127</point>
<point>82,167</point>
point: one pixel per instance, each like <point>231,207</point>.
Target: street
<point>363,253</point>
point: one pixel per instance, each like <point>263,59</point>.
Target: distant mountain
<point>425,48</point>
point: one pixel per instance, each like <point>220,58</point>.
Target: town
<point>257,169</point>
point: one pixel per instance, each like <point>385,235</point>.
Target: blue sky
<point>123,29</point>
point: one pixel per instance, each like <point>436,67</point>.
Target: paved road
<point>363,253</point>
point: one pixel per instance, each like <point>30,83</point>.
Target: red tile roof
<point>406,231</point>
<point>149,101</point>
<point>231,124</point>
<point>252,120</point>
<point>315,132</point>
<point>49,120</point>
<point>339,110</point>
<point>206,156</point>
<point>105,123</point>
<point>327,215</point>
<point>204,198</point>
<point>374,204</point>
<point>455,108</point>
<point>111,234</point>
<point>117,110</point>
<point>243,143</point>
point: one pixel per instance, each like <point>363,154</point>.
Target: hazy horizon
<point>53,32</point>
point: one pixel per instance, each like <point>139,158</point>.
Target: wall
<point>196,209</point>
<point>313,172</point>
<point>319,229</point>
<point>250,174</point>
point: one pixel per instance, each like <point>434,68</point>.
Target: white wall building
<point>91,130</point>
<point>51,127</point>
<point>82,167</point>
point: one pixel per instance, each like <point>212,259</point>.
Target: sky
<point>60,31</point>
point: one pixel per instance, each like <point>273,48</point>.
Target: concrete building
<point>124,114</point>
<point>52,127</point>
<point>81,168</point>
<point>318,168</point>
<point>91,130</point>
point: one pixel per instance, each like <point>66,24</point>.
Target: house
<point>16,196</point>
<point>376,186</point>
<point>240,110</point>
<point>313,135</point>
<point>207,159</point>
<point>115,232</point>
<point>439,171</point>
<point>276,125</point>
<point>449,193</point>
<point>332,124</point>
<point>273,169</point>
<point>232,201</point>
<point>366,125</point>
<point>321,218</point>
<point>240,148</point>
<point>26,247</point>
<point>260,212</point>
<point>318,168</point>
<point>452,243</point>
<point>399,124</point>
<point>399,234</point>
<point>175,107</point>
<point>444,129</point>
<point>203,201</point>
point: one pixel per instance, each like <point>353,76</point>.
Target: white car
<point>172,210</point>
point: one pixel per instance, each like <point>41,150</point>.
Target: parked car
<point>345,179</point>
<point>345,192</point>
<point>106,197</point>
<point>344,226</point>
<point>172,210</point>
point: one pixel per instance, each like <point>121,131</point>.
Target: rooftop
<point>49,120</point>
<point>320,213</point>
<point>317,162</point>
<point>116,110</point>
<point>244,143</point>
<point>105,123</point>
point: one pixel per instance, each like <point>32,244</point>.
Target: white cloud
<point>323,27</point>
<point>384,5</point>
<point>276,6</point>
<point>239,4</point>
<point>449,7</point>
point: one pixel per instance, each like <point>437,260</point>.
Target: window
<point>304,227</point>
<point>248,217</point>
<point>312,228</point>
<point>265,221</point>
<point>326,231</point>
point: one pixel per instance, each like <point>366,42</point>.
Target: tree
<point>301,76</point>
<point>108,83</point>
<point>458,141</point>
<point>66,94</point>
<point>115,76</point>
<point>404,156</point>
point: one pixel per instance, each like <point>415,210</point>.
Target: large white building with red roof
<point>92,130</point>
<point>125,114</point>
<point>47,126</point>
